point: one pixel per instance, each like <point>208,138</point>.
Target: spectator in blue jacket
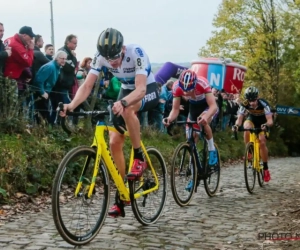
<point>44,81</point>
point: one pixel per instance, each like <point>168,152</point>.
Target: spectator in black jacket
<point>4,52</point>
<point>66,80</point>
<point>39,58</point>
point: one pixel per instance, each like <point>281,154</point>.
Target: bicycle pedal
<point>133,178</point>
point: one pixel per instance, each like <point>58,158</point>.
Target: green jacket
<point>113,88</point>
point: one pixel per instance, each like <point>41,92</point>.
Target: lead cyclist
<point>139,92</point>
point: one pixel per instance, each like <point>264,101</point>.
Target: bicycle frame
<point>103,152</point>
<point>191,140</point>
<point>254,139</point>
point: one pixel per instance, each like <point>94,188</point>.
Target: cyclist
<point>258,115</point>
<point>139,92</point>
<point>202,107</point>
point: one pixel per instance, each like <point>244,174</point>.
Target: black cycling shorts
<point>257,120</point>
<point>150,99</point>
<point>196,109</point>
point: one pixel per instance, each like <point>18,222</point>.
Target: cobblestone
<point>231,220</point>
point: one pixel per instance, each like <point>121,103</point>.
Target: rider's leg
<point>134,127</point>
<point>264,156</point>
<point>209,137</point>
<point>116,142</point>
<point>116,145</point>
<point>263,150</point>
<point>213,156</point>
<point>247,125</point>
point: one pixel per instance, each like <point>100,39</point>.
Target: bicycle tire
<point>217,170</point>
<point>63,198</point>
<point>260,175</point>
<point>248,165</point>
<point>142,214</point>
<point>192,171</point>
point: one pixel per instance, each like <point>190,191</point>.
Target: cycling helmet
<point>187,80</point>
<point>251,93</point>
<point>110,43</point>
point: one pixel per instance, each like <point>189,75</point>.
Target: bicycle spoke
<point>148,208</point>
<point>79,219</point>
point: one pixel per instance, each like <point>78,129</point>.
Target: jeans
<point>225,122</point>
<point>155,119</point>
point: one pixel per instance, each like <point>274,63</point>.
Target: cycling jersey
<point>197,98</point>
<point>256,115</point>
<point>197,95</point>
<point>135,62</point>
<point>262,109</point>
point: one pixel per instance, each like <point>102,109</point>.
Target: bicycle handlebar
<point>190,123</point>
<point>251,130</point>
<point>96,113</point>
<point>100,114</point>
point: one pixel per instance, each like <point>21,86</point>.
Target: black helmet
<point>251,93</point>
<point>110,43</point>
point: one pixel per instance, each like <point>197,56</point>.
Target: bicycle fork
<point>200,172</point>
<point>91,185</point>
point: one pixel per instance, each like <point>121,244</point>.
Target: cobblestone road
<point>231,220</point>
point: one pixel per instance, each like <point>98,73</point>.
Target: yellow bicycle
<point>81,187</point>
<point>252,162</point>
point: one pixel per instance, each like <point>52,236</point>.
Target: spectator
<point>237,98</point>
<point>67,77</point>
<point>225,109</point>
<point>39,58</point>
<point>155,115</point>
<point>5,52</point>
<point>233,109</point>
<point>44,81</point>
<point>84,69</point>
<point>22,55</point>
<point>49,51</point>
<point>113,87</point>
<point>167,88</point>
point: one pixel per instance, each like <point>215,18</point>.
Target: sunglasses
<point>114,58</point>
<point>253,100</point>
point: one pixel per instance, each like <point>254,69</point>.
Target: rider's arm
<point>84,91</point>
<point>175,109</point>
<point>240,115</point>
<point>269,122</point>
<point>142,65</point>
<point>211,102</point>
<point>239,120</point>
<point>139,92</point>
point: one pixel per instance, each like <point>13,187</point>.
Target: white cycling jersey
<point>135,62</point>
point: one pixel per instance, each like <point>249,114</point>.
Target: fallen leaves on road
<point>22,203</point>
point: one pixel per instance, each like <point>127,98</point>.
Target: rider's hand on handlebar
<point>166,121</point>
<point>117,108</point>
<point>63,112</point>
<point>265,127</point>
<point>235,128</point>
<point>202,120</point>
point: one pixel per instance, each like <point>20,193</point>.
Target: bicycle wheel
<point>148,208</point>
<point>183,174</point>
<point>79,219</point>
<point>249,170</point>
<point>212,180</point>
<point>260,175</point>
